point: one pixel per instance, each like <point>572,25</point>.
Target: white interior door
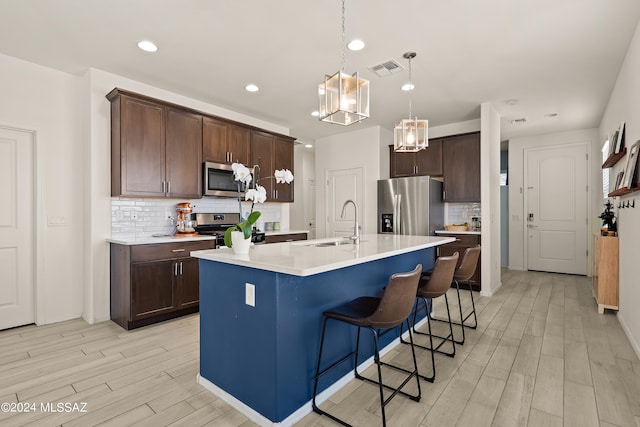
<point>556,209</point>
<point>343,185</point>
<point>17,261</point>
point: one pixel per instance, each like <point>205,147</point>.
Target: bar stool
<point>374,314</point>
<point>435,286</point>
<point>463,274</point>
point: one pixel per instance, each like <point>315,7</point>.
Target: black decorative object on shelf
<point>608,217</point>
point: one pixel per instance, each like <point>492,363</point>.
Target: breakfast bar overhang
<point>261,358</point>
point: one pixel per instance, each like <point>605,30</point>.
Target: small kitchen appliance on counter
<point>185,226</point>
<point>215,224</point>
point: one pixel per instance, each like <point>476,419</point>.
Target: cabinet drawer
<point>285,237</point>
<point>158,251</point>
<point>467,240</point>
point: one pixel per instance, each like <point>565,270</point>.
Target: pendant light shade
<point>343,98</point>
<point>410,135</point>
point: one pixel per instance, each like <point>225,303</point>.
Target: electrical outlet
<point>119,215</point>
<point>250,294</point>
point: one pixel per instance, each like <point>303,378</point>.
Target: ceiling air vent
<point>387,68</point>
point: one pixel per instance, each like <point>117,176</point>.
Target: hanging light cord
<point>343,39</point>
<point>410,87</point>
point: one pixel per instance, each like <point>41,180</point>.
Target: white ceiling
<point>553,56</point>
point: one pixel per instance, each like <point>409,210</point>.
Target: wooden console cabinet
<point>605,283</point>
<point>154,282</point>
<point>277,238</point>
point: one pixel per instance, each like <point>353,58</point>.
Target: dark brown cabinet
<point>423,162</point>
<point>461,168</point>
<point>463,241</point>
<point>156,150</point>
<point>277,238</point>
<point>272,153</point>
<point>223,142</point>
<point>183,154</point>
<point>154,282</point>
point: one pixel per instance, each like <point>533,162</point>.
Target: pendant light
<point>410,134</point>
<point>344,98</point>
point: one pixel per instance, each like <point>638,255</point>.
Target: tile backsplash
<point>140,218</point>
<point>458,213</point>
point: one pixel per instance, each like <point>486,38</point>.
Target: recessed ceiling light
<point>408,86</point>
<point>511,102</point>
<point>315,113</point>
<point>551,115</point>
<point>308,145</point>
<point>251,88</point>
<point>147,46</point>
<point>519,121</point>
<point>355,44</point>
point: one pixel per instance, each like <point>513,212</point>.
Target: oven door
<point>219,182</point>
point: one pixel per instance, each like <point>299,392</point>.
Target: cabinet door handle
<point>181,268</point>
<point>168,186</point>
<point>164,186</point>
<point>175,269</point>
<point>230,157</point>
<point>178,250</point>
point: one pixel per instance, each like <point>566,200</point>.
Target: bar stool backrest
<point>441,277</point>
<point>397,300</point>
<point>468,264</point>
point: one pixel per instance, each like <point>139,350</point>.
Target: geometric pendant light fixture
<point>410,135</point>
<point>343,98</point>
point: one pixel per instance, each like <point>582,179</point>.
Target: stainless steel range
<point>215,224</point>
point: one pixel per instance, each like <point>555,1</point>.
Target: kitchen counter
<point>163,239</point>
<point>476,232</point>
<point>304,258</point>
<point>261,317</point>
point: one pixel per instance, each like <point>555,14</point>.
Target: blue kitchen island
<point>261,316</point>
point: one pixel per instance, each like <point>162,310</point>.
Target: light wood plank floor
<point>541,356</point>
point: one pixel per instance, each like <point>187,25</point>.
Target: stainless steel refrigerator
<point>411,205</point>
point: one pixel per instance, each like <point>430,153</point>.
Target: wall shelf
<point>623,191</point>
<point>614,158</point>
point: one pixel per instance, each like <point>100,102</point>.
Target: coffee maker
<point>185,226</point>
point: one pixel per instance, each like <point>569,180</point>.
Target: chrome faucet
<point>356,228</point>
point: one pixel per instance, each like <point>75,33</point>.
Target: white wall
<point>49,102</point>
<point>490,196</point>
<point>359,148</point>
<point>304,160</point>
<point>624,104</point>
<point>517,147</point>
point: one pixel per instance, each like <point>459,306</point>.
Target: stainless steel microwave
<point>219,182</point>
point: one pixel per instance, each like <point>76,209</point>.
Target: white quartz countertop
<point>458,232</point>
<point>162,239</point>
<point>305,258</point>
<point>281,232</point>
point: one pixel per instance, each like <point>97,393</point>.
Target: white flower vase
<point>239,244</point>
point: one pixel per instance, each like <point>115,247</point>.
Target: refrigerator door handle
<point>396,216</point>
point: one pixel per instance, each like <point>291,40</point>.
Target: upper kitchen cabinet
<point>183,154</point>
<point>156,150</point>
<point>423,162</point>
<point>270,153</point>
<point>223,142</point>
<point>461,168</point>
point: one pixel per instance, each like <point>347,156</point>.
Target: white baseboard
<point>630,337</point>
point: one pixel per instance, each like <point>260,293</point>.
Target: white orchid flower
<point>241,173</point>
<point>283,176</point>
<point>257,195</point>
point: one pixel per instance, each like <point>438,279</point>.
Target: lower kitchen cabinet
<point>463,241</point>
<point>154,282</point>
<point>277,238</point>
